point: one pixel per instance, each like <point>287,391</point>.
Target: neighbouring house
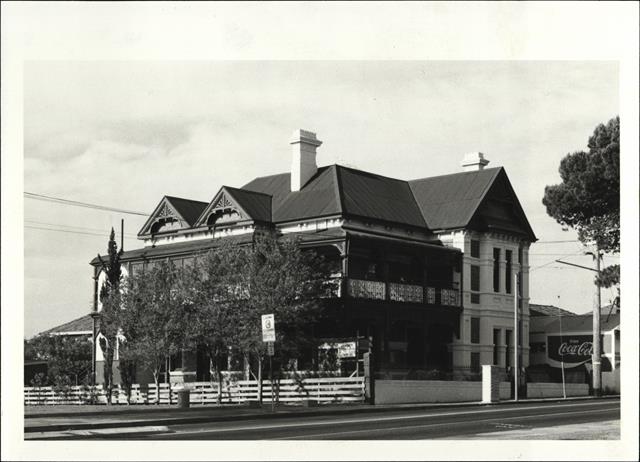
<point>562,342</point>
<point>79,327</point>
<point>427,266</point>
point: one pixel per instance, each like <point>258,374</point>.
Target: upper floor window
<point>475,283</point>
<point>475,248</point>
<point>496,270</point>
<point>475,330</point>
<point>508,276</point>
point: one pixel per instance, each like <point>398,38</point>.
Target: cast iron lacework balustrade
<point>405,293</point>
<point>359,288</point>
<point>449,297</point>
<point>430,293</point>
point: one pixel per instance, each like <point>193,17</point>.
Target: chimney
<point>473,161</point>
<point>303,159</point>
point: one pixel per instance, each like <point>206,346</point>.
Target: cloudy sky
<point>123,134</point>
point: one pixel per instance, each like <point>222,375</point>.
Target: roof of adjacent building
<point>81,325</point>
<point>548,310</point>
<point>575,323</point>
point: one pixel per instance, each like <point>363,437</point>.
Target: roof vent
<point>303,160</point>
<point>473,161</point>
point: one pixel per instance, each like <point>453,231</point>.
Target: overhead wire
<point>82,228</point>
<point>59,200</point>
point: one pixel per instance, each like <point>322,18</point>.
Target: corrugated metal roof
<point>82,324</point>
<point>334,190</point>
<point>548,310</point>
<point>165,250</point>
<point>202,245</point>
<point>189,209</point>
<point>374,196</point>
<point>256,204</point>
<point>449,201</point>
<point>576,323</point>
<point>317,198</point>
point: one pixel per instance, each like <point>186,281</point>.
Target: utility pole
<point>515,337</point>
<point>596,353</point>
<point>597,369</point>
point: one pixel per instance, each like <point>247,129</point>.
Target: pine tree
<point>109,316</point>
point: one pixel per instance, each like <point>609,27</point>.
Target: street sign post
<point>269,337</point>
<point>268,328</point>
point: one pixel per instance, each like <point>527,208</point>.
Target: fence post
<point>369,380</point>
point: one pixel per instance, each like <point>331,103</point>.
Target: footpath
<point>41,422</point>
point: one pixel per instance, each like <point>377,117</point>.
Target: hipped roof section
<point>444,202</point>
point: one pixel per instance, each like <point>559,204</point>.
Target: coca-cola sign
<point>570,349</point>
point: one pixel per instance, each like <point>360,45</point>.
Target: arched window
<point>165,224</point>
<point>222,216</point>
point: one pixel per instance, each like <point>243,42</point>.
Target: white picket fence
<point>323,390</point>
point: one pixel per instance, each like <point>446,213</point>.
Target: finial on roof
<point>473,161</point>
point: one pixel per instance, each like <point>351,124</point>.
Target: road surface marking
<point>378,419</point>
<point>388,429</point>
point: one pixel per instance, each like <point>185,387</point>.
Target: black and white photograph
<point>335,231</point>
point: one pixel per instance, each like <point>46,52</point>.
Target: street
<point>459,423</point>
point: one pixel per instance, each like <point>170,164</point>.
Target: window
<point>475,283</point>
<point>520,254</point>
<point>507,275</point>
<point>496,270</point>
<point>475,278</point>
<point>475,248</point>
<point>475,362</point>
<point>475,330</point>
<point>496,343</point>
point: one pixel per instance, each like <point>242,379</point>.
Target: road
<point>450,423</point>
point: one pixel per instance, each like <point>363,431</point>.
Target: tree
<point>588,199</point>
<point>154,317</point>
<point>272,276</point>
<point>215,320</point>
<point>109,316</point>
<point>68,358</point>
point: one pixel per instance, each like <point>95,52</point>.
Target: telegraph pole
<point>597,368</point>
<point>515,337</point>
<point>596,353</point>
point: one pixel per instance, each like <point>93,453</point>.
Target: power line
<point>42,197</point>
<point>75,227</point>
<point>67,231</point>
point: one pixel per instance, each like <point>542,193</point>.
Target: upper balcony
<point>398,292</point>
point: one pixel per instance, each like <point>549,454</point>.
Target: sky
<point>125,133</point>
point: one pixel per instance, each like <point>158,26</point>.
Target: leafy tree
<point>68,358</point>
<point>213,325</point>
<point>110,299</point>
<point>271,276</point>
<point>154,317</point>
<point>588,199</point>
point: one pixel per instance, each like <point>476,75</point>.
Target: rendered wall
<point>431,391</point>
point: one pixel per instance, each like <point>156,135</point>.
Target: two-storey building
<point>426,266</point>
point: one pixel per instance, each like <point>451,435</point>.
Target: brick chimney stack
<point>473,161</point>
<point>303,160</point>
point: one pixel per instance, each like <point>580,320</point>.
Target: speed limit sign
<point>268,328</point>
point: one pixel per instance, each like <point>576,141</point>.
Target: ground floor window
<point>475,362</point>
